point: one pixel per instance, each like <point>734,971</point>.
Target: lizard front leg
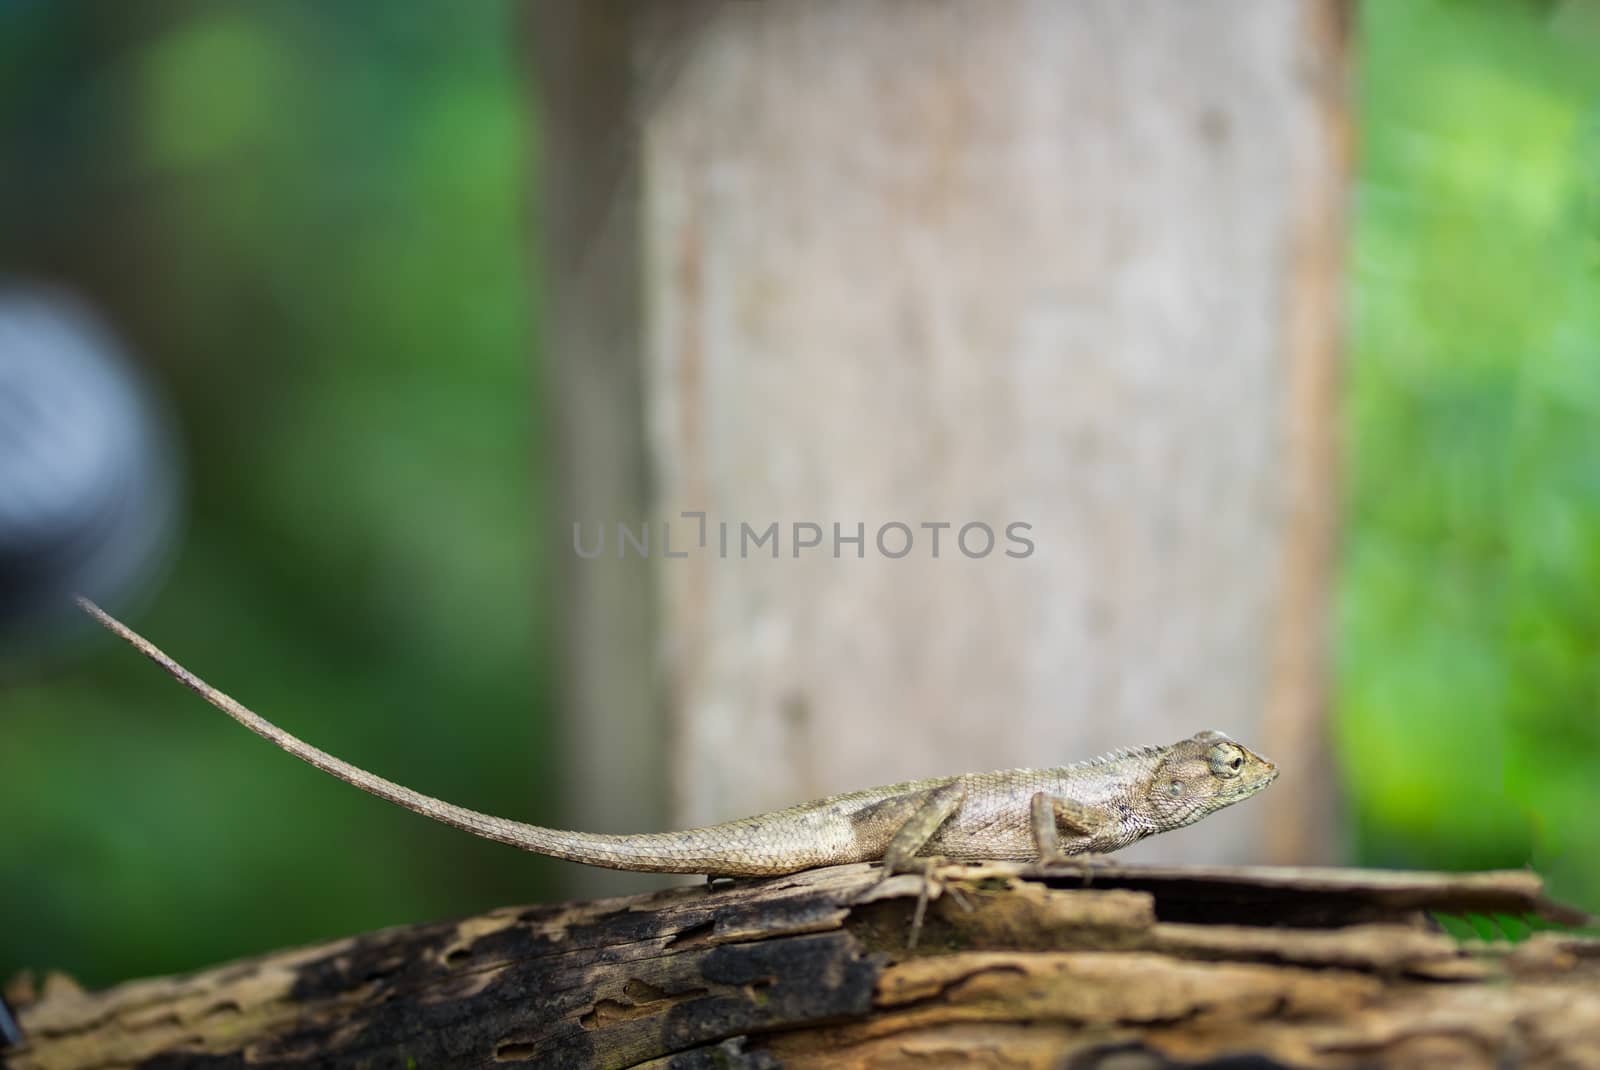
<point>1050,813</point>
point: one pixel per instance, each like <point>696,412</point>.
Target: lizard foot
<point>1091,861</point>
<point>1087,862</point>
<point>716,881</point>
<point>926,869</point>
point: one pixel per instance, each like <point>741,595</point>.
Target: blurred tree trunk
<point>613,773</point>
<point>1074,266</point>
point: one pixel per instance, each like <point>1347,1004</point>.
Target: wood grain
<point>1321,968</point>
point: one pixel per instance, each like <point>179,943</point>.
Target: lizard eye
<point>1225,759</point>
<point>1175,788</point>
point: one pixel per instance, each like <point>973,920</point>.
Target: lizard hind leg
<point>936,807</point>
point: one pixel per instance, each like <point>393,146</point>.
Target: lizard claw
<point>925,868</point>
<point>1086,862</point>
<point>922,904</point>
<point>1090,862</point>
<point>959,898</point>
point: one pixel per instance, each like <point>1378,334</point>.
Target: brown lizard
<point>1087,808</point>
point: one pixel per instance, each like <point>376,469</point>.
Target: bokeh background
<point>310,221</point>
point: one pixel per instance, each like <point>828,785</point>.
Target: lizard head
<point>1202,774</point>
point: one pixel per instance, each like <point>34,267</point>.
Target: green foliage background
<point>309,217</point>
<point>1469,621</point>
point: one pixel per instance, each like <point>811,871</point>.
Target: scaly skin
<point>1095,806</point>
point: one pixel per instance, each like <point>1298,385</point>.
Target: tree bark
<point>1110,966</point>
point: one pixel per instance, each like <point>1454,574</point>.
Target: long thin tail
<point>661,853</point>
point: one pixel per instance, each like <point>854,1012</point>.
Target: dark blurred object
<point>88,476</point>
<point>10,1031</point>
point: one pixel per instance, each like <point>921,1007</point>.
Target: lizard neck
<point>1118,777</point>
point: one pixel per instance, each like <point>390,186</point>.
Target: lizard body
<point>1090,807</point>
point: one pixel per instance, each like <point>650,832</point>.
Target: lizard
<point>1088,808</point>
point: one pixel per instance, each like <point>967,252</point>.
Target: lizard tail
<point>694,852</point>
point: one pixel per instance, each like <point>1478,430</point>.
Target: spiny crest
<point>1113,757</point>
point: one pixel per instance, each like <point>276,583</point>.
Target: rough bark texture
<point>1143,967</point>
<point>1071,265</point>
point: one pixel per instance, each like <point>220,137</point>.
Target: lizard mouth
<point>1248,787</point>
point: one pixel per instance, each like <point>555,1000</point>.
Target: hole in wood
<point>694,936</point>
<point>512,1051</point>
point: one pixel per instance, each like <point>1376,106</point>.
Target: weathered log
<point>1022,967</point>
